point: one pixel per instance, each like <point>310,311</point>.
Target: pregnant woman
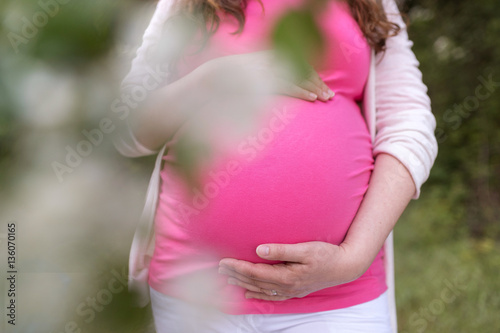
<point>285,230</point>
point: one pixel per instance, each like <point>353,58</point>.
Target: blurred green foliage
<point>454,229</point>
<point>61,33</point>
<point>65,36</point>
<point>457,45</point>
<point>298,38</point>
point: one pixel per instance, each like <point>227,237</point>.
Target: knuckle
<point>290,85</point>
<point>307,251</point>
<point>252,275</point>
<point>288,282</point>
<point>252,282</point>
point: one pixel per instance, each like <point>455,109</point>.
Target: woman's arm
<point>164,110</point>
<point>404,121</point>
<point>145,75</point>
<point>146,122</point>
<point>391,189</point>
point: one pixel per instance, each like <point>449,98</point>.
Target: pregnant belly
<point>299,177</point>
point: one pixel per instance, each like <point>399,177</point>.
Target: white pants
<point>172,315</point>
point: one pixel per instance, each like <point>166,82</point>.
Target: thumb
<point>283,252</point>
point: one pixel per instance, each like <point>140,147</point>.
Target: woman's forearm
<point>249,74</point>
<point>166,109</point>
<point>390,190</point>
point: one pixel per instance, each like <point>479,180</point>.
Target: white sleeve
<point>147,73</point>
<point>404,122</point>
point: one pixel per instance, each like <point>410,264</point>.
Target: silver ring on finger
<point>274,292</point>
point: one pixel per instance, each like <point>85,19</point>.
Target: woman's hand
<point>313,266</point>
<point>307,267</point>
<point>264,69</point>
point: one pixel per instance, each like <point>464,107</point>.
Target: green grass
<point>445,281</point>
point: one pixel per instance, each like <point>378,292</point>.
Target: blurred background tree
<point>453,230</point>
<point>60,65</point>
<point>457,44</point>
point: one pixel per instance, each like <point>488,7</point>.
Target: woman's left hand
<point>306,268</point>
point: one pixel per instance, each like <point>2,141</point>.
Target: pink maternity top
<point>300,176</point>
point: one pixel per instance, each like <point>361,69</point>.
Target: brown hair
<point>369,15</point>
<point>372,20</point>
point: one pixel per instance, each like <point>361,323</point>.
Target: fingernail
<point>331,93</point>
<point>231,281</point>
<point>222,271</point>
<point>263,250</point>
<point>326,95</point>
<point>313,96</point>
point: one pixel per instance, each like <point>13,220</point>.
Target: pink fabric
<point>300,177</point>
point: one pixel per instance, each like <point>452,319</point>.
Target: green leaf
<point>298,38</point>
